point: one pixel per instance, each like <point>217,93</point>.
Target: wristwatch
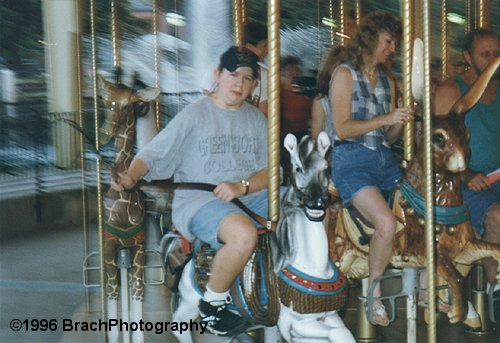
<point>245,184</point>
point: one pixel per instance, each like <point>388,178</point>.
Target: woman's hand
<point>401,115</point>
<point>228,191</point>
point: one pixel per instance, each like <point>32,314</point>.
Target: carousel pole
<point>238,22</point>
<point>358,12</point>
<point>342,21</point>
<point>273,38</point>
<point>157,63</point>
<point>429,197</point>
<point>408,101</point>
<point>444,39</point>
<point>407,60</point>
<point>98,165</point>
<point>483,20</point>
<point>478,296</point>
<point>332,29</point>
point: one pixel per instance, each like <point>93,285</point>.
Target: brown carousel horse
<point>456,241</point>
<point>123,211</point>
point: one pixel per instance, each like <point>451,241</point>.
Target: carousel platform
<point>41,280</point>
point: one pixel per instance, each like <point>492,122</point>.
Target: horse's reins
<point>210,188</point>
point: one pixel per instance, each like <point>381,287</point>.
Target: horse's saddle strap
<point>447,215</point>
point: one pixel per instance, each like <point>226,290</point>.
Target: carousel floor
<point>41,280</point>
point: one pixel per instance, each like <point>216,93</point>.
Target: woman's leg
<point>372,205</point>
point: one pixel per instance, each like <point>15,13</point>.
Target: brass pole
<point>243,11</point>
<point>237,22</point>
<point>157,63</point>
<point>429,198</point>
<point>79,14</point>
<point>342,21</point>
<point>358,12</point>
<point>114,36</point>
<point>444,39</point>
<point>98,165</point>
<point>407,60</point>
<point>332,29</point>
<point>273,21</point>
<point>482,14</point>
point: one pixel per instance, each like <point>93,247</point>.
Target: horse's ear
<point>103,83</point>
<point>146,94</point>
<point>476,91</point>
<point>290,143</point>
<point>323,143</point>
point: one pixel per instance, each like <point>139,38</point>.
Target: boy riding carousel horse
<point>220,139</point>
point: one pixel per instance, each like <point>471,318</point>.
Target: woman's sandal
<point>377,315</point>
<point>441,305</point>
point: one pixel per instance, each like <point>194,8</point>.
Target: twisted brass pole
<point>237,22</point>
<point>407,61</point>
<point>482,14</point>
<point>114,35</point>
<point>332,29</point>
<point>429,197</point>
<point>157,63</point>
<point>342,21</point>
<point>444,39</point>
<point>358,12</point>
<point>273,21</point>
<point>98,165</point>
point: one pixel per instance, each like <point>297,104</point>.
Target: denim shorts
<point>478,204</point>
<point>355,167</point>
<point>206,222</point>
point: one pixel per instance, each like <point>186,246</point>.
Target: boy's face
<point>234,87</point>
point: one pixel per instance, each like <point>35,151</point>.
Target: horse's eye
<point>438,140</point>
<point>298,169</point>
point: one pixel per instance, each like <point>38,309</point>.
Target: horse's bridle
<point>210,188</point>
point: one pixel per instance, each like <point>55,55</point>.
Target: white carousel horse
<point>309,286</point>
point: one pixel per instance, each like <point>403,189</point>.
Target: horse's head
<point>309,173</point>
<point>450,136</point>
<point>119,101</point>
<point>449,142</point>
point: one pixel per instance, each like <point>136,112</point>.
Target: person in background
<point>321,113</point>
<point>366,121</point>
<point>255,39</point>
<point>220,139</point>
<point>295,108</point>
<point>481,195</point>
<point>295,101</point>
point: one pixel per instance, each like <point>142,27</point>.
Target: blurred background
<point>50,111</point>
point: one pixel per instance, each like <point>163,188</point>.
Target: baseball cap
<point>238,56</point>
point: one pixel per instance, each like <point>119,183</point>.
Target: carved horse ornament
<point>304,288</point>
<point>123,212</point>
<point>456,242</point>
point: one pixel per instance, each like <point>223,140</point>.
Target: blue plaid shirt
<point>368,103</point>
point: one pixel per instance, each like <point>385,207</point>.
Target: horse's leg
<point>272,335</point>
<point>477,250</point>
<point>339,333</point>
<point>447,270</point>
<point>311,329</point>
<point>111,274</point>
<point>187,306</point>
<point>137,283</point>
